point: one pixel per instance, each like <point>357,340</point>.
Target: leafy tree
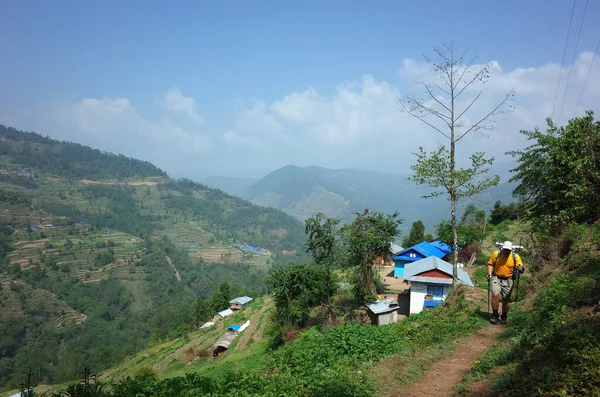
<point>559,174</point>
<point>440,110</point>
<point>296,290</point>
<point>221,297</point>
<point>203,310</point>
<point>416,235</point>
<point>323,244</point>
<point>368,237</point>
<point>512,211</point>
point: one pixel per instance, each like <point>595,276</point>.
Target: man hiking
<point>501,273</point>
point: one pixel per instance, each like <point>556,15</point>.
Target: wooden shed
<point>384,312</point>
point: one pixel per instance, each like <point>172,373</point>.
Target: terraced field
<point>193,353</point>
<point>18,299</point>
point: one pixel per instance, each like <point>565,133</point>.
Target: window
<point>413,255</point>
<point>435,290</point>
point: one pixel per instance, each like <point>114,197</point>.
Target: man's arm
<point>491,263</point>
<point>519,264</point>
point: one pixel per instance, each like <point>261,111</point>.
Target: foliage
<point>416,235</point>
<point>68,159</point>
<point>203,311</point>
<point>559,174</point>
<point>295,291</point>
<point>512,212</point>
<point>367,238</point>
<point>221,297</point>
<point>324,246</point>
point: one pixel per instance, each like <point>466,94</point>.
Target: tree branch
<point>423,120</point>
<point>466,69</point>
<point>483,70</point>
<point>435,99</point>
<point>486,116</point>
<point>471,104</point>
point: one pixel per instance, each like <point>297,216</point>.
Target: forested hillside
<point>101,254</point>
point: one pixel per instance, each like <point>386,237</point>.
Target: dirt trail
<point>174,269</point>
<point>445,374</point>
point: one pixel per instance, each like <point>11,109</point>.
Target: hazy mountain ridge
<point>301,192</point>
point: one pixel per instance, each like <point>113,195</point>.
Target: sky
<point>241,88</point>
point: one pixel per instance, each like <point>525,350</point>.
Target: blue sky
<point>242,88</point>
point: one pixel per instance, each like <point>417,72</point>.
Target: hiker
<point>501,273</point>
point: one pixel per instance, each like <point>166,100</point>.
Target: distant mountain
<point>301,192</point>
<point>228,184</point>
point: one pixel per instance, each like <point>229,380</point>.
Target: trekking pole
<point>517,297</point>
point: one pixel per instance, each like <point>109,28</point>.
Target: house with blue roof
<point>417,252</point>
<point>430,280</point>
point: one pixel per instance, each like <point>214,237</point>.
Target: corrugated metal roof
<point>382,307</point>
<point>411,270</point>
<point>242,300</point>
<point>225,313</point>
<point>442,246</point>
<point>395,248</point>
<point>424,249</point>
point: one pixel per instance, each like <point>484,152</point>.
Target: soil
<point>389,282</point>
<point>174,269</point>
<point>444,375</point>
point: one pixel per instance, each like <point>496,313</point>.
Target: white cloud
<point>357,125</point>
<point>364,113</point>
<point>176,103</point>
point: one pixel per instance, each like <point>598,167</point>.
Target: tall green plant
<point>367,238</point>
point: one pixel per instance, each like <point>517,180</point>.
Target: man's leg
<point>495,300</point>
<point>507,287</point>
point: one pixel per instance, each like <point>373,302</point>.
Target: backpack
<point>515,270</point>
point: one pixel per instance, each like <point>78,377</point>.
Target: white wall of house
<point>417,295</point>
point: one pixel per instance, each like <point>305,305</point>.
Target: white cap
<point>507,245</point>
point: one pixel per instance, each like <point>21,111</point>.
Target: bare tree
<point>440,109</point>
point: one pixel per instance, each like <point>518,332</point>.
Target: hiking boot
<point>494,320</point>
<point>503,319</point>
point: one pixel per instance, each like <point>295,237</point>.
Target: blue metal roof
<point>442,246</point>
<point>424,248</point>
<point>234,327</point>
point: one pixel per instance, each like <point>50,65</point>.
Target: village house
<point>430,280</point>
<point>225,313</point>
<point>384,312</point>
<point>394,248</point>
<point>239,302</point>
<point>417,252</point>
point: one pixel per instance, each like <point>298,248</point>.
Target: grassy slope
<point>192,353</point>
<point>551,346</point>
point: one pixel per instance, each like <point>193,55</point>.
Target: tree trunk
<point>452,182</point>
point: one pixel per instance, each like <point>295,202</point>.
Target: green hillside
<point>101,254</point>
<point>302,192</point>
